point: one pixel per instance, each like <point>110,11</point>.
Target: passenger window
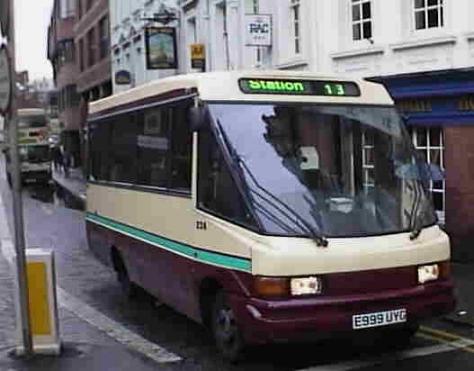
<point>153,147</point>
<point>181,148</point>
<point>217,191</point>
<point>123,146</point>
<point>99,161</point>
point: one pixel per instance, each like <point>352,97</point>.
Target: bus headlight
<point>306,286</point>
<point>428,273</point>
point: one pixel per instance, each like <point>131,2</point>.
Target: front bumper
<point>263,321</point>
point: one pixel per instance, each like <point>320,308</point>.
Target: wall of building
<point>62,56</point>
<point>92,40</point>
<point>220,26</point>
<point>395,45</point>
<point>128,51</point>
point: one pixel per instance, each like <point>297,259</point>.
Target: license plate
<point>376,319</point>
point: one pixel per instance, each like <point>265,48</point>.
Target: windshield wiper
<point>319,239</point>
<point>415,226</point>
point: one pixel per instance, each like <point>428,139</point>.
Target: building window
<point>251,6</point>
<point>295,19</point>
<point>361,20</point>
<point>428,14</point>
<point>91,47</point>
<point>66,53</point>
<point>79,9</point>
<point>368,145</point>
<point>429,142</point>
<point>104,37</point>
<point>67,8</point>
<point>81,55</point>
<point>192,30</point>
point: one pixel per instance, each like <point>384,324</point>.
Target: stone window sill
<point>423,42</point>
<point>358,52</point>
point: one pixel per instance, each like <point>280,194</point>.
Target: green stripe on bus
<point>183,249</point>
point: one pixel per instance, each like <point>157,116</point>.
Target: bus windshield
<point>32,121</point>
<point>34,154</point>
<point>345,170</point>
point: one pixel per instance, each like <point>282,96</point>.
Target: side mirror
<point>197,117</point>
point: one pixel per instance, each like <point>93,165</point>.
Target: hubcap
<point>226,328</point>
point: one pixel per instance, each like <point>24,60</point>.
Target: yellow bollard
<point>43,312</point>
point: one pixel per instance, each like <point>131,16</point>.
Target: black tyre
<point>225,330</point>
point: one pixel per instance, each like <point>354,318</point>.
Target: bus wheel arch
<point>129,288</point>
<point>218,316</point>
<point>208,289</point>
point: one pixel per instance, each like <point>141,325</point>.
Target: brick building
<point>62,54</point>
<point>93,49</point>
<point>92,42</point>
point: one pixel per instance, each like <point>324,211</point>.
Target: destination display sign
<point>299,87</point>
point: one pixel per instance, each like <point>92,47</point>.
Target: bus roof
<point>31,111</point>
<point>224,86</point>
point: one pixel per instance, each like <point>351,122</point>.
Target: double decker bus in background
<point>268,206</point>
<point>33,146</point>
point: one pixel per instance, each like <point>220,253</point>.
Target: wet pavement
<point>54,220</point>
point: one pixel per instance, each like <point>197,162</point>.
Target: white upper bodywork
<point>176,217</point>
<point>223,86</point>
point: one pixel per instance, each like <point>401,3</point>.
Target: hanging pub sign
<point>161,48</point>
<point>258,30</point>
<point>123,77</point>
<point>198,56</point>
<point>5,81</point>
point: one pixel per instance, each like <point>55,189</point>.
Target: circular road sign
<point>5,81</point>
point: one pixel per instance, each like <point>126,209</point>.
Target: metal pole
<point>17,200</point>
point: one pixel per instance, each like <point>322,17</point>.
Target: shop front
<point>439,111</point>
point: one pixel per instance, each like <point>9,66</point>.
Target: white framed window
<point>251,6</point>
<point>68,8</point>
<point>295,11</point>
<point>429,142</point>
<point>192,30</point>
<point>368,168</point>
<point>428,14</point>
<point>361,19</point>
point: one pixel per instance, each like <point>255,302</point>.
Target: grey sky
<point>31,29</point>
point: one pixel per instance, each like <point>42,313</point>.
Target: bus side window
<point>153,143</point>
<point>99,136</point>
<point>217,191</point>
<point>123,149</point>
<point>181,147</point>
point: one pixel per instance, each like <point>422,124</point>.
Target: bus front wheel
<point>225,330</point>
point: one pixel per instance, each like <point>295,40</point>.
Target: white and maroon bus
<point>267,205</point>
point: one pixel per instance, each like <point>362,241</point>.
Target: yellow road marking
<point>447,338</point>
<point>441,333</point>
